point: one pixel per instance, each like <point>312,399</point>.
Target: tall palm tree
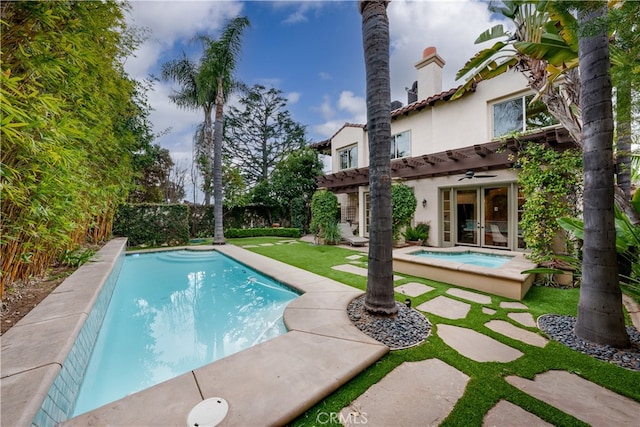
<point>600,317</point>
<point>221,59</point>
<point>375,34</point>
<point>194,94</point>
<point>203,86</point>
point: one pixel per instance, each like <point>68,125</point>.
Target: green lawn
<point>487,385</point>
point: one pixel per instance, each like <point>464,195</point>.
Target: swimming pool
<point>172,312</point>
<point>468,257</point>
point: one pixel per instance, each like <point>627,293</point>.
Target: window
<point>401,145</point>
<point>520,115</point>
<point>348,157</point>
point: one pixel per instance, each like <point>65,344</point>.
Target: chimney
<point>429,73</point>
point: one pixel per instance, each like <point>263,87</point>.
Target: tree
<point>173,188</point>
<point>235,189</point>
<point>195,93</point>
<point>154,164</point>
<point>544,46</point>
<point>204,85</point>
<point>71,123</point>
<point>600,317</point>
<point>379,297</point>
<point>294,182</point>
<point>261,133</point>
<point>222,57</point>
<point>625,73</point>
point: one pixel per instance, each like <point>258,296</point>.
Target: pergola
<point>483,157</point>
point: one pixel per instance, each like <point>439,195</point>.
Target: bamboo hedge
<point>70,127</point>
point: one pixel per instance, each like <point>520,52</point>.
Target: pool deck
<point>269,384</point>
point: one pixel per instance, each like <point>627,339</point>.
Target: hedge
<point>152,224</point>
<point>261,232</point>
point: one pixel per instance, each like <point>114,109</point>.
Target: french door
<point>482,216</point>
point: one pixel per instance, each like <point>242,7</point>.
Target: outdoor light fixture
<point>424,203</point>
<point>407,302</point>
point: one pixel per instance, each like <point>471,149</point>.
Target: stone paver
<point>349,268</point>
<point>413,289</point>
<point>469,296</point>
<point>583,399</point>
<point>354,257</point>
<point>525,319</point>
<point>434,389</point>
<point>506,414</point>
<point>476,346</point>
<point>250,246</point>
<point>513,305</point>
<point>489,311</point>
<point>445,307</point>
<point>266,244</point>
<point>506,328</point>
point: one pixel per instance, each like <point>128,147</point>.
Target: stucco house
<point>460,157</point>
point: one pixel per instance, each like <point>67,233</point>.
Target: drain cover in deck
<point>208,413</point>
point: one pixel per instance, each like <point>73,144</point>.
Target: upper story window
<point>348,157</point>
<point>519,115</point>
<point>401,145</point>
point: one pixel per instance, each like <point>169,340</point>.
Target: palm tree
<point>375,34</point>
<point>205,85</point>
<point>194,94</point>
<point>222,57</point>
<point>544,46</point>
<point>600,317</point>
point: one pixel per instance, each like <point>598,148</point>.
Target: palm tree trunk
<point>207,150</point>
<point>600,317</point>
<point>375,33</point>
<point>218,234</point>
<point>623,149</point>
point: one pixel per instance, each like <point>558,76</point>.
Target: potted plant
<point>417,235</point>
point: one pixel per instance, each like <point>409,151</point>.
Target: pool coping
<point>491,280</point>
<point>269,384</point>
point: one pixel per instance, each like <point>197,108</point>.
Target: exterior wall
<point>345,137</point>
<point>447,125</point>
<point>429,189</point>
<point>468,120</point>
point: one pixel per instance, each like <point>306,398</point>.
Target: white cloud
<point>295,18</point>
<point>450,26</point>
<point>349,109</point>
<point>172,21</point>
<point>325,109</point>
<point>355,105</point>
<point>324,75</point>
<point>293,97</point>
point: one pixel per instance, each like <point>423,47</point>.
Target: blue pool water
<point>468,257</point>
<point>172,312</point>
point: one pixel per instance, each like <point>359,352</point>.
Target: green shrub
<point>403,203</point>
<point>417,233</point>
<point>234,233</point>
<point>331,233</point>
<point>152,224</point>
<point>324,209</point>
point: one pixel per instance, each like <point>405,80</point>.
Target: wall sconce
<point>424,203</point>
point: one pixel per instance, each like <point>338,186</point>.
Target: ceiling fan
<point>471,174</point>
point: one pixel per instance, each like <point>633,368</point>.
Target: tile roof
<point>402,111</point>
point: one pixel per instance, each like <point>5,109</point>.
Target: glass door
<point>467,217</point>
<point>495,218</point>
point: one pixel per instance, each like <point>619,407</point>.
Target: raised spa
<point>491,271</point>
<point>468,257</point>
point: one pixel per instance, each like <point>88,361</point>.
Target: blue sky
<point>311,50</point>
